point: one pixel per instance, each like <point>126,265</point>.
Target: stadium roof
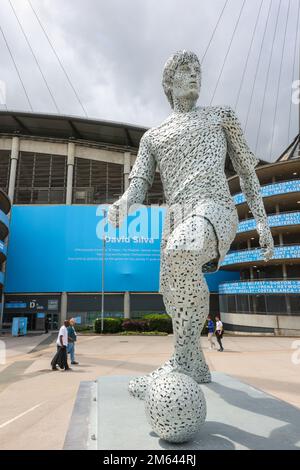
<point>107,133</point>
<point>66,127</point>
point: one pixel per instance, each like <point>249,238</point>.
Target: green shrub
<point>110,325</point>
<point>80,328</point>
<point>135,325</point>
<point>159,322</point>
<point>143,333</point>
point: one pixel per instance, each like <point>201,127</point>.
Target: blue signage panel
<point>261,287</point>
<point>280,220</point>
<point>247,256</point>
<point>62,248</point>
<point>272,190</point>
<point>19,326</point>
<point>15,305</point>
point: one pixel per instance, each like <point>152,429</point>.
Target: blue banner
<point>272,190</point>
<point>247,256</point>
<point>62,248</point>
<point>280,220</point>
<point>261,287</point>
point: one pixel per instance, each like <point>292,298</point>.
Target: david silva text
<point>129,240</point>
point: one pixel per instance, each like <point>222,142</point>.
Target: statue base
<point>106,417</point>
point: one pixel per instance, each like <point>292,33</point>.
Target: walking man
<point>60,357</point>
<point>72,338</point>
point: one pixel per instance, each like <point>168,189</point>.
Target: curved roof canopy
<point>68,127</point>
<point>107,133</point>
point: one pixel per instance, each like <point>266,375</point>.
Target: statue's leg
<point>191,245</point>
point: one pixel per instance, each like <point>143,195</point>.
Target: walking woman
<point>219,333</point>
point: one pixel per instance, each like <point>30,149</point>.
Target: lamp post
<point>103,273</point>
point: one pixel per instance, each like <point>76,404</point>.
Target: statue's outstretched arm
<point>251,188</point>
<point>141,178</point>
<point>244,163</point>
<point>135,194</point>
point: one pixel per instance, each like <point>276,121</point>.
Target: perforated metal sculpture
<point>175,407</point>
<point>189,148</point>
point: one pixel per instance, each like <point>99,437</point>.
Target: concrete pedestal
<point>239,417</point>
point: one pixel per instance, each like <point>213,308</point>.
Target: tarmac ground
<point>36,403</point>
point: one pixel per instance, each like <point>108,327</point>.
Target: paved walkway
<point>36,403</point>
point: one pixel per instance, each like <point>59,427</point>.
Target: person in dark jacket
<point>211,330</point>
<point>72,338</point>
<point>47,325</point>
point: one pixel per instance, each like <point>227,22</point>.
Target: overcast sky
<point>114,52</point>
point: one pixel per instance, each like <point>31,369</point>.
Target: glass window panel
<point>276,304</point>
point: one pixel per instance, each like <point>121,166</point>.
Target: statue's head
<point>182,76</point>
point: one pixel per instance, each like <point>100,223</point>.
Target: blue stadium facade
<point>266,299</point>
<point>61,173</point>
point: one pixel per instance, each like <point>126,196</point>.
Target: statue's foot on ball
<point>138,386</point>
<point>202,376</point>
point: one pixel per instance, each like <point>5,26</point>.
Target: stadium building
<point>58,171</point>
<point>266,299</point>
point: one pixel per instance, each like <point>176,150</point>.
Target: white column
<point>15,150</point>
<point>281,242</point>
<point>127,167</point>
<point>126,305</point>
<point>63,307</point>
<point>70,164</point>
<point>284,273</point>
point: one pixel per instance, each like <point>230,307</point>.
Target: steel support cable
<point>228,50</point>
<point>258,64</point>
<point>58,58</point>
<point>268,75</point>
<point>214,31</point>
<point>280,77</point>
<point>294,66</point>
<point>16,68</point>
<point>35,57</point>
<point>248,55</point>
